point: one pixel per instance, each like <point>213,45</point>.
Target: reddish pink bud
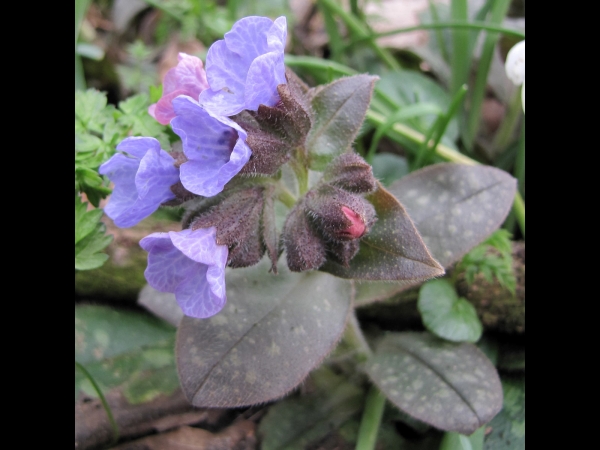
<point>187,78</point>
<point>357,228</point>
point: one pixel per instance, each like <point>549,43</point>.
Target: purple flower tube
<point>143,174</point>
<point>191,265</point>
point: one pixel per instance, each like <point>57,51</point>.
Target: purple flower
<point>187,78</point>
<point>215,147</point>
<point>142,174</point>
<point>246,67</point>
<point>191,265</point>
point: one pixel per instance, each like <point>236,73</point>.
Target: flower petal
<point>234,73</point>
<point>248,37</point>
<point>138,146</point>
<point>196,297</point>
<point>121,170</point>
<point>187,78</point>
<point>142,168</point>
<point>167,266</point>
<point>208,143</point>
<point>200,245</point>
<point>202,294</point>
<point>155,176</point>
<point>265,74</point>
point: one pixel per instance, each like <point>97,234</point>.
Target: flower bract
<point>187,78</point>
<point>215,147</point>
<point>191,265</point>
<point>142,174</point>
<point>245,68</point>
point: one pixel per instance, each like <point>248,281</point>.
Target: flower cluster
<point>242,72</point>
<point>239,121</point>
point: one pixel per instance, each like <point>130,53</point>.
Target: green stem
<point>438,31</point>
<point>520,161</point>
<point>499,9</point>
<point>507,127</point>
<point>482,26</point>
<point>354,8</point>
<point>336,44</point>
<point>111,419</point>
<point>358,28</point>
<point>425,152</point>
<point>414,136</point>
<point>354,336</point>
<point>371,420</point>
<point>301,172</point>
<point>375,402</point>
<point>519,210</point>
<point>285,196</point>
<point>460,58</point>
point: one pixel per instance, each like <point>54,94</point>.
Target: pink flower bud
<point>187,78</point>
<point>357,227</point>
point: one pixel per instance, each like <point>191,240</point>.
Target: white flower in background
<point>515,67</point>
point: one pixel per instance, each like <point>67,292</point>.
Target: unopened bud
<point>237,220</point>
<point>304,248</point>
<point>351,173</point>
<point>343,252</point>
<point>338,214</point>
<point>358,227</point>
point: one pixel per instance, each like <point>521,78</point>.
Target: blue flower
<point>191,265</point>
<point>245,68</point>
<point>215,147</point>
<point>143,175</point>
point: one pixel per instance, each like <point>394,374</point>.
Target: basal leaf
<point>451,386</point>
<point>123,349</point>
<point>339,110</point>
<point>297,422</point>
<point>446,315</point>
<point>393,250</point>
<point>272,332</point>
<point>455,206</point>
<point>508,427</point>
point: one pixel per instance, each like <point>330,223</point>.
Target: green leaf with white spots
<point>455,206</point>
<point>508,427</point>
<point>393,250</point>
<point>297,422</point>
<point>339,110</point>
<point>453,387</point>
<point>126,350</point>
<point>272,332</point>
<point>446,315</point>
